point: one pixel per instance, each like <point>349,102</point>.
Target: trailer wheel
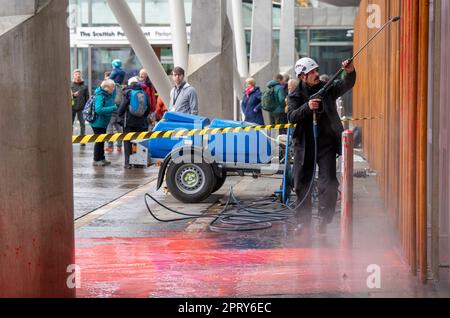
<point>190,182</point>
<point>219,182</point>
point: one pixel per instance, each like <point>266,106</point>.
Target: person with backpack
<point>273,100</point>
<point>134,110</point>
<point>104,106</point>
<point>149,89</point>
<point>251,103</point>
<point>114,126</point>
<point>80,96</point>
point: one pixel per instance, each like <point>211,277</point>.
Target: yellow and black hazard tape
<point>172,133</point>
<point>183,133</point>
<point>349,119</point>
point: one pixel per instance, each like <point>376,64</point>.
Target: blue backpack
<point>138,103</point>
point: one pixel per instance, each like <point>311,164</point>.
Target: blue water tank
<point>244,147</point>
<point>160,148</point>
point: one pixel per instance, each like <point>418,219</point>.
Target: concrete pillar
<point>238,81</point>
<point>263,55</point>
<point>36,196</point>
<point>239,38</point>
<point>142,47</point>
<point>211,58</point>
<point>287,37</point>
<point>179,35</point>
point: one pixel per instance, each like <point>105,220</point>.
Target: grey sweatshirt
<point>184,100</point>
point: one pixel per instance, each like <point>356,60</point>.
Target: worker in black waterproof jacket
<point>329,127</point>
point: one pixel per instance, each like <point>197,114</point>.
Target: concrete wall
<point>22,7</point>
<point>211,58</point>
<point>263,52</point>
<point>36,191</point>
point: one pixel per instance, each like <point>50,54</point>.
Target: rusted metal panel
<point>422,125</point>
<point>389,84</point>
<point>444,133</point>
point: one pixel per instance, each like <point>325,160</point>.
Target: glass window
<point>102,14</point>
<point>188,11</point>
<point>330,57</point>
<point>331,36</point>
<point>248,41</point>
<point>102,58</point>
<point>79,60</point>
<point>301,42</point>
<point>83,63</point>
<point>73,59</point>
<point>83,7</point>
<point>167,59</point>
<point>247,10</point>
<point>157,12</point>
<point>276,38</point>
<point>276,16</point>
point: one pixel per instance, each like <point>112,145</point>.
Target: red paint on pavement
<point>199,266</point>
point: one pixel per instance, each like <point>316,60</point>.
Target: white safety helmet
<point>305,65</point>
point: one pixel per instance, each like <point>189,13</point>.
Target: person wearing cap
<point>117,74</point>
<point>329,127</point>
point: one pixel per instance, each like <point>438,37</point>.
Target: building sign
<point>112,35</point>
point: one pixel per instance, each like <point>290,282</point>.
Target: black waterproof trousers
<point>327,185</point>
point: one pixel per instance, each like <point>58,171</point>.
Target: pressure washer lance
<point>321,94</point>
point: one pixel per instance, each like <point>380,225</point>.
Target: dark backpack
<point>89,113</point>
<point>138,103</point>
<point>89,110</point>
<point>269,100</point>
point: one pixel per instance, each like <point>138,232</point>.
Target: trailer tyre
<point>219,182</point>
<point>190,182</point>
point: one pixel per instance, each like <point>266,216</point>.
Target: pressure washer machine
<point>195,166</point>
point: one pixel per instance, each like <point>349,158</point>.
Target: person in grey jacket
<point>183,97</point>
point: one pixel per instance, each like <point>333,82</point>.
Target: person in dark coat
<point>80,95</point>
<point>131,123</point>
<point>329,126</point>
<point>278,115</point>
<point>251,103</point>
